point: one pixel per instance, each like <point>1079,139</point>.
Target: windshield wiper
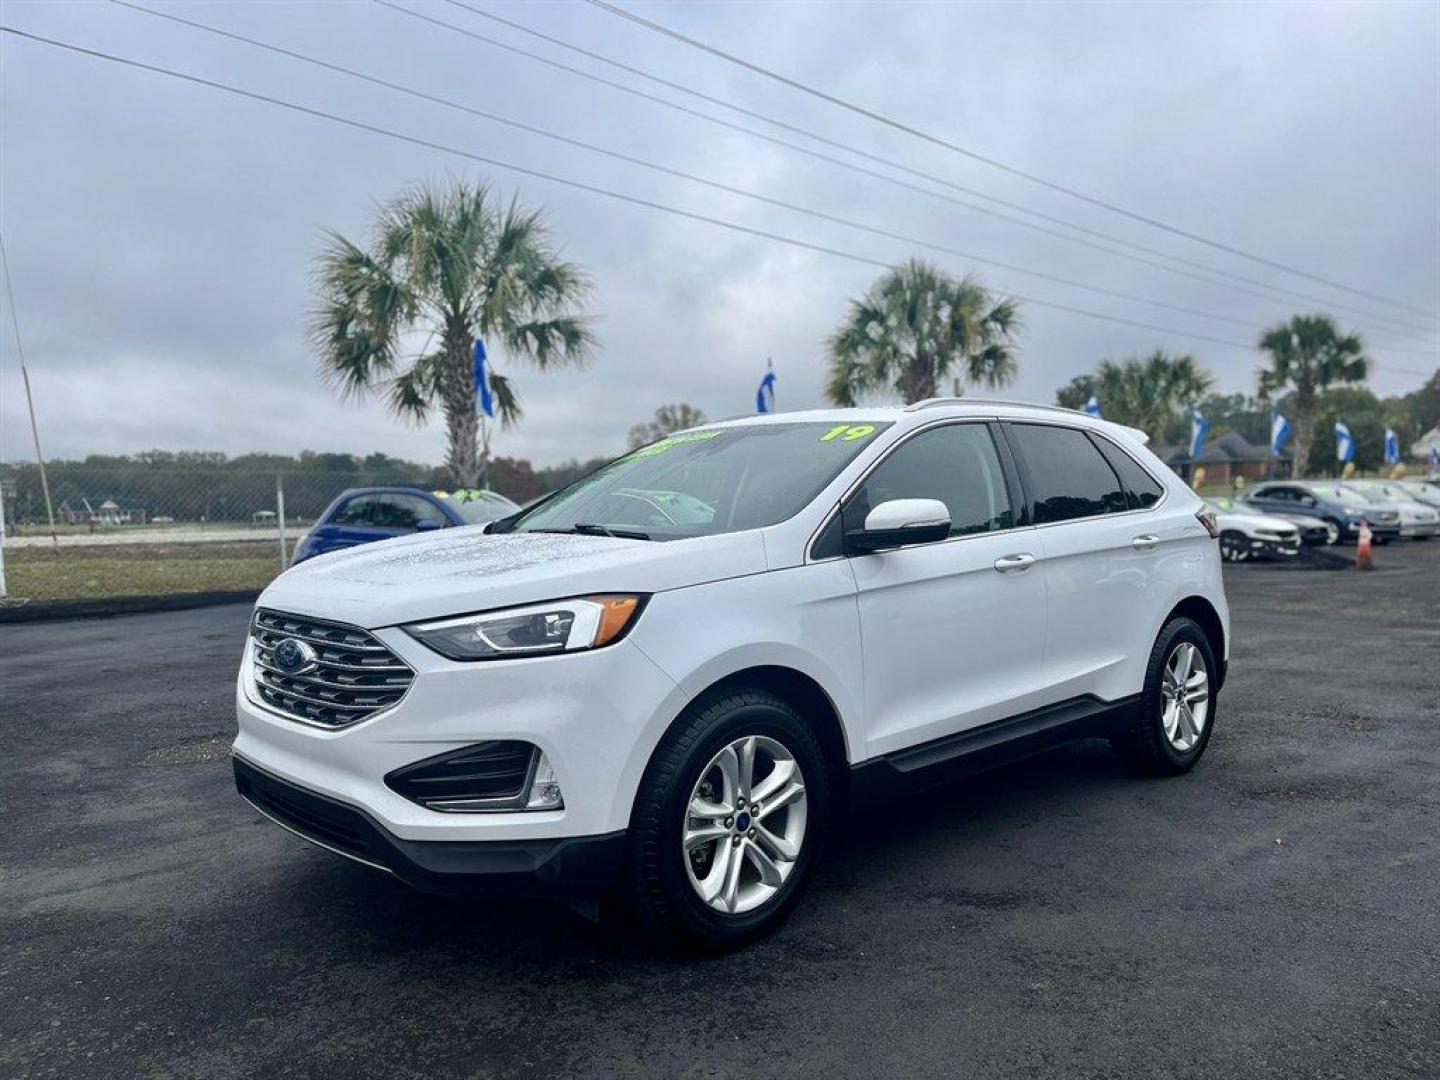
<point>586,528</point>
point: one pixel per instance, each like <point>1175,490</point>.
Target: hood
<point>456,571</point>
<point>1255,521</point>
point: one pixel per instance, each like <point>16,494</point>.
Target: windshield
<point>1337,494</point>
<point>1233,506</point>
<point>1369,494</point>
<point>700,483</point>
<point>476,505</point>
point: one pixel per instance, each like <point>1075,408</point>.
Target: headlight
<point>561,626</point>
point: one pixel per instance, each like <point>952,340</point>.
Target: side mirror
<point>898,523</point>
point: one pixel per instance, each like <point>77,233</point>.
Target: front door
<point>952,632</point>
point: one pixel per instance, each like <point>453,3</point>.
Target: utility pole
<point>29,400</point>
<point>3,593</point>
<point>280,519</point>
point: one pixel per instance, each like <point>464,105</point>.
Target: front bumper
<point>595,715</point>
<point>573,866</point>
<point>1265,547</point>
<point>1421,530</point>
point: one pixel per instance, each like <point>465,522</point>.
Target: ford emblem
<point>293,656</point>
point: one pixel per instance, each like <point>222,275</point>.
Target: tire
<point>1145,742</point>
<point>1234,546</point>
<point>663,883</point>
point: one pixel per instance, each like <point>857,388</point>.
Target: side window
<point>354,511</point>
<point>396,511</point>
<point>956,464</point>
<point>388,511</point>
<point>1066,475</point>
<point>1284,494</point>
<point>1142,489</point>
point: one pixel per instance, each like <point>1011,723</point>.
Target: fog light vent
<point>488,776</point>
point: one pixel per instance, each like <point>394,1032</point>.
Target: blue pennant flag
<point>1392,447</point>
<point>1279,432</point>
<point>482,381</point>
<point>1199,428</point>
<point>1344,443</point>
<point>765,396</point>
<point>1093,406</point>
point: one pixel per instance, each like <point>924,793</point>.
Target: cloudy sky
<point>161,235</point>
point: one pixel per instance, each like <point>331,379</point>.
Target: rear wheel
<point>1172,724</point>
<point>729,818</point>
<point>1234,546</point>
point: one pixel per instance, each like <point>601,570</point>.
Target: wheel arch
<point>810,698</point>
<point>1203,612</point>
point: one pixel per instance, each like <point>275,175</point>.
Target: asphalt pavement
<point>1276,913</point>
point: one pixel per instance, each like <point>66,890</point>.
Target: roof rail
<point>935,402</point>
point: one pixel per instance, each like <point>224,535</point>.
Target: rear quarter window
<point>1141,489</point>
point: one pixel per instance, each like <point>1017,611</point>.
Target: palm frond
<point>507,404</point>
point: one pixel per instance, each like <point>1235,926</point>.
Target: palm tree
<point>455,264</point>
<point>1143,392</point>
<point>668,419</point>
<point>916,327</point>
<point>1309,353</point>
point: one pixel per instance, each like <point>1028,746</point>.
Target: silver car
<point>1417,521</point>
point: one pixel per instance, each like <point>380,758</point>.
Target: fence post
<point>280,519</point>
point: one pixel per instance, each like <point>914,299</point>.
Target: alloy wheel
<point>744,824</point>
<point>1233,549</point>
<point>1185,696</point>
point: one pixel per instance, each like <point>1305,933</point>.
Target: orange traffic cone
<point>1362,548</point>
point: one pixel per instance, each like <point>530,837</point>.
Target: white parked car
<point>1418,521</point>
<point>1423,491</point>
<point>1246,533</point>
<point>661,682</point>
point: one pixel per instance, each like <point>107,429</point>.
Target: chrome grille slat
<point>352,678</point>
<point>399,682</point>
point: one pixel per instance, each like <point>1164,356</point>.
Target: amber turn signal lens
<point>616,613</point>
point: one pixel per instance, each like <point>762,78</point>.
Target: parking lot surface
<point>1274,913</point>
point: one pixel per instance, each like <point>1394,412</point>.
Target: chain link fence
<point>136,531</point>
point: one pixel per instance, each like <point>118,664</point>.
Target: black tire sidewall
<point>722,722</point>
<point>1151,720</point>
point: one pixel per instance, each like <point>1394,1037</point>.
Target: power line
<point>887,162</point>
<point>580,185</point>
<point>860,110</point>
<point>714,184</point>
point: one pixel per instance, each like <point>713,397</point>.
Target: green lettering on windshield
<point>673,441</point>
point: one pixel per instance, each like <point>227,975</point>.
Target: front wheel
<point>1172,723</point>
<point>729,818</point>
<point>1234,547</point>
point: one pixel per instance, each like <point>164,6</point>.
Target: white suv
<point>662,682</point>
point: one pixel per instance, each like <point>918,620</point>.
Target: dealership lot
<point>1270,914</point>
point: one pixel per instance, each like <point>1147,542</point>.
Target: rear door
<point>952,631</point>
<point>1102,544</point>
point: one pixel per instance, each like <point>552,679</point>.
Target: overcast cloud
<point>161,235</point>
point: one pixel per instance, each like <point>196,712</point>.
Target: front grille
<point>351,677</point>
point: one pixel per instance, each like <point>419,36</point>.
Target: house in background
<point>1226,457</point>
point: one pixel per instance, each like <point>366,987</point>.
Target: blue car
<point>363,515</point>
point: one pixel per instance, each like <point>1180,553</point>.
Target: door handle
<point>1145,541</point>
<point>1008,563</point>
